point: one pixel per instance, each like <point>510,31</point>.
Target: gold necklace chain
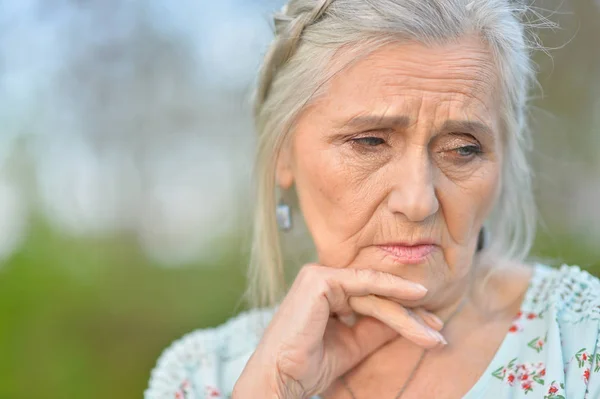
<point>414,370</point>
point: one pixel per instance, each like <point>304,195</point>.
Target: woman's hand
<point>305,347</point>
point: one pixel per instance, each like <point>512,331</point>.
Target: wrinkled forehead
<point>458,77</point>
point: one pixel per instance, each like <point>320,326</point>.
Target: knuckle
<point>313,276</point>
<point>364,274</point>
<point>307,272</point>
<point>372,276</point>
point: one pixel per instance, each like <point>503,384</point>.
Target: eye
<point>369,141</point>
<point>468,150</point>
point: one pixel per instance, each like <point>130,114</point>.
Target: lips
<point>408,253</point>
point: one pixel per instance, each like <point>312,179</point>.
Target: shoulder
<point>553,345</point>
<point>573,294</point>
<point>207,362</point>
<point>568,298</point>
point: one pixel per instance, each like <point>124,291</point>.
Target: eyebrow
<point>379,122</point>
<point>402,121</point>
<point>467,126</point>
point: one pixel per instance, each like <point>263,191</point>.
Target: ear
<point>284,175</point>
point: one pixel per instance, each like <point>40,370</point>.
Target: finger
<point>358,282</point>
<point>429,318</point>
<point>337,285</point>
<point>398,318</point>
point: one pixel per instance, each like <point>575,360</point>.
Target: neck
<point>489,290</point>
<point>463,292</point>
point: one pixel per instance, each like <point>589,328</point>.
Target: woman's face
<point>403,147</point>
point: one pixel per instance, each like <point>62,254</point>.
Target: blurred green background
<point>97,334</point>
<point>87,318</point>
<point>119,238</point>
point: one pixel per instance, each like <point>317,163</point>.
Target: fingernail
<point>420,288</point>
<point>438,337</point>
<point>435,319</point>
<point>442,339</point>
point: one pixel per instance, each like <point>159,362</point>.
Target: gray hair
<point>307,35</point>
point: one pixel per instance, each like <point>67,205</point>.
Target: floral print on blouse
<point>551,350</point>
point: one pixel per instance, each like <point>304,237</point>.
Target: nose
<point>413,192</point>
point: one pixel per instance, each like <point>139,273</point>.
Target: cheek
<point>337,200</point>
<point>466,203</point>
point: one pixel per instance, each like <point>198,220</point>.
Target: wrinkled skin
<point>403,145</point>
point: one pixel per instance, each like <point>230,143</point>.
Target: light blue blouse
<point>552,350</point>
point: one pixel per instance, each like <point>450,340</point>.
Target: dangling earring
<point>283,213</point>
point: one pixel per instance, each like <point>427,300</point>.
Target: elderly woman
<point>400,127</point>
